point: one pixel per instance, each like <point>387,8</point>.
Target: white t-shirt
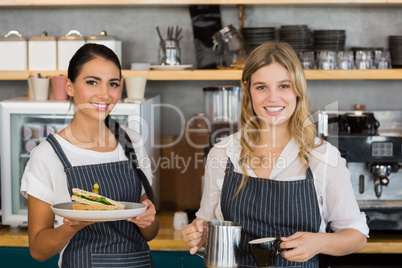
<point>335,196</point>
<point>45,179</point>
<point>44,176</point>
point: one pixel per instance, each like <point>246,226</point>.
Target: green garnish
<point>101,200</point>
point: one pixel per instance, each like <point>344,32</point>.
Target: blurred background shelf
<point>192,2</point>
<point>216,75</point>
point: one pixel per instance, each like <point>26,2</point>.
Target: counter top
<point>169,239</point>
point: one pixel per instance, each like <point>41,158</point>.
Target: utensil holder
<point>169,53</point>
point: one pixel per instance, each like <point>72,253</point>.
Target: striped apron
<point>105,244</point>
<point>268,208</point>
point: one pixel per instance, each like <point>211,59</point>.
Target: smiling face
<point>96,89</point>
<point>272,94</point>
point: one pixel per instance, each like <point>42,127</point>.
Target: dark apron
<point>269,208</point>
<point>105,244</point>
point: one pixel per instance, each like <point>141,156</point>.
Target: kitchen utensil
<point>180,220</point>
<point>364,59</point>
<point>130,210</point>
<point>135,86</point>
<point>171,68</point>
<point>382,60</point>
<point>40,88</point>
<point>169,53</point>
<point>13,52</point>
<point>298,36</point>
<point>307,59</point>
<point>326,60</point>
<point>42,52</point>
<point>222,244</point>
<point>66,47</point>
<point>140,66</point>
<point>230,48</point>
<point>59,87</point>
<point>344,60</point>
<point>255,36</point>
<point>265,250</point>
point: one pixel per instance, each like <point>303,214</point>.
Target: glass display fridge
<point>24,124</point>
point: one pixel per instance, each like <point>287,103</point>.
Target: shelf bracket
<point>242,17</point>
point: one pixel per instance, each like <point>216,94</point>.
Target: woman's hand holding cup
<point>194,235</point>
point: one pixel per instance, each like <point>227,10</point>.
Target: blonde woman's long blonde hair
<point>300,126</point>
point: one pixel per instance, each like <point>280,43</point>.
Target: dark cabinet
<point>19,257</point>
<point>176,259</point>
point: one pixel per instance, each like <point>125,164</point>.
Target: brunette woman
<point>92,149</point>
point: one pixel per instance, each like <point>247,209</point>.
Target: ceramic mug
<point>135,86</point>
<point>40,88</point>
<point>265,250</point>
<point>180,220</point>
<point>59,87</point>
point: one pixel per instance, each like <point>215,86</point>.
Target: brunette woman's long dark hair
<point>129,151</point>
<point>85,54</point>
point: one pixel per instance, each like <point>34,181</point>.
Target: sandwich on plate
<point>85,200</point>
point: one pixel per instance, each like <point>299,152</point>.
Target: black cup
<point>265,250</point>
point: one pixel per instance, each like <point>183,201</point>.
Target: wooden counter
<point>170,240</point>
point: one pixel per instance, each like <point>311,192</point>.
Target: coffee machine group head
<point>381,171</point>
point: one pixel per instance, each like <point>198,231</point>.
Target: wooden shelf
<point>194,75</point>
<point>191,2</point>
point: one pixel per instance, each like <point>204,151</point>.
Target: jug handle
<point>199,255</point>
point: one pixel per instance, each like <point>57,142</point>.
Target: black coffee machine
<point>371,142</point>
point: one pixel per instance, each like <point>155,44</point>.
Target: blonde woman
<point>275,177</point>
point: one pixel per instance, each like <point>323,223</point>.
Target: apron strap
<point>309,174</point>
<point>59,151</point>
<point>129,151</point>
<point>143,177</point>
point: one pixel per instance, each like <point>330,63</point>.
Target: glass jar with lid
<point>230,48</point>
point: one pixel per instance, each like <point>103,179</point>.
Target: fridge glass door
<point>27,131</point>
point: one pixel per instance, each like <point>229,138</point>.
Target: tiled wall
<point>135,26</point>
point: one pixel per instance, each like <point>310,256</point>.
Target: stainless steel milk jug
<point>222,244</point>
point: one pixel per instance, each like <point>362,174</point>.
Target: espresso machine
<point>371,143</point>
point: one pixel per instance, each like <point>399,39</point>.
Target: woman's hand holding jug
<point>195,235</point>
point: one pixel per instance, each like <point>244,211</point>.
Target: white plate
<point>131,210</point>
<point>171,68</point>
